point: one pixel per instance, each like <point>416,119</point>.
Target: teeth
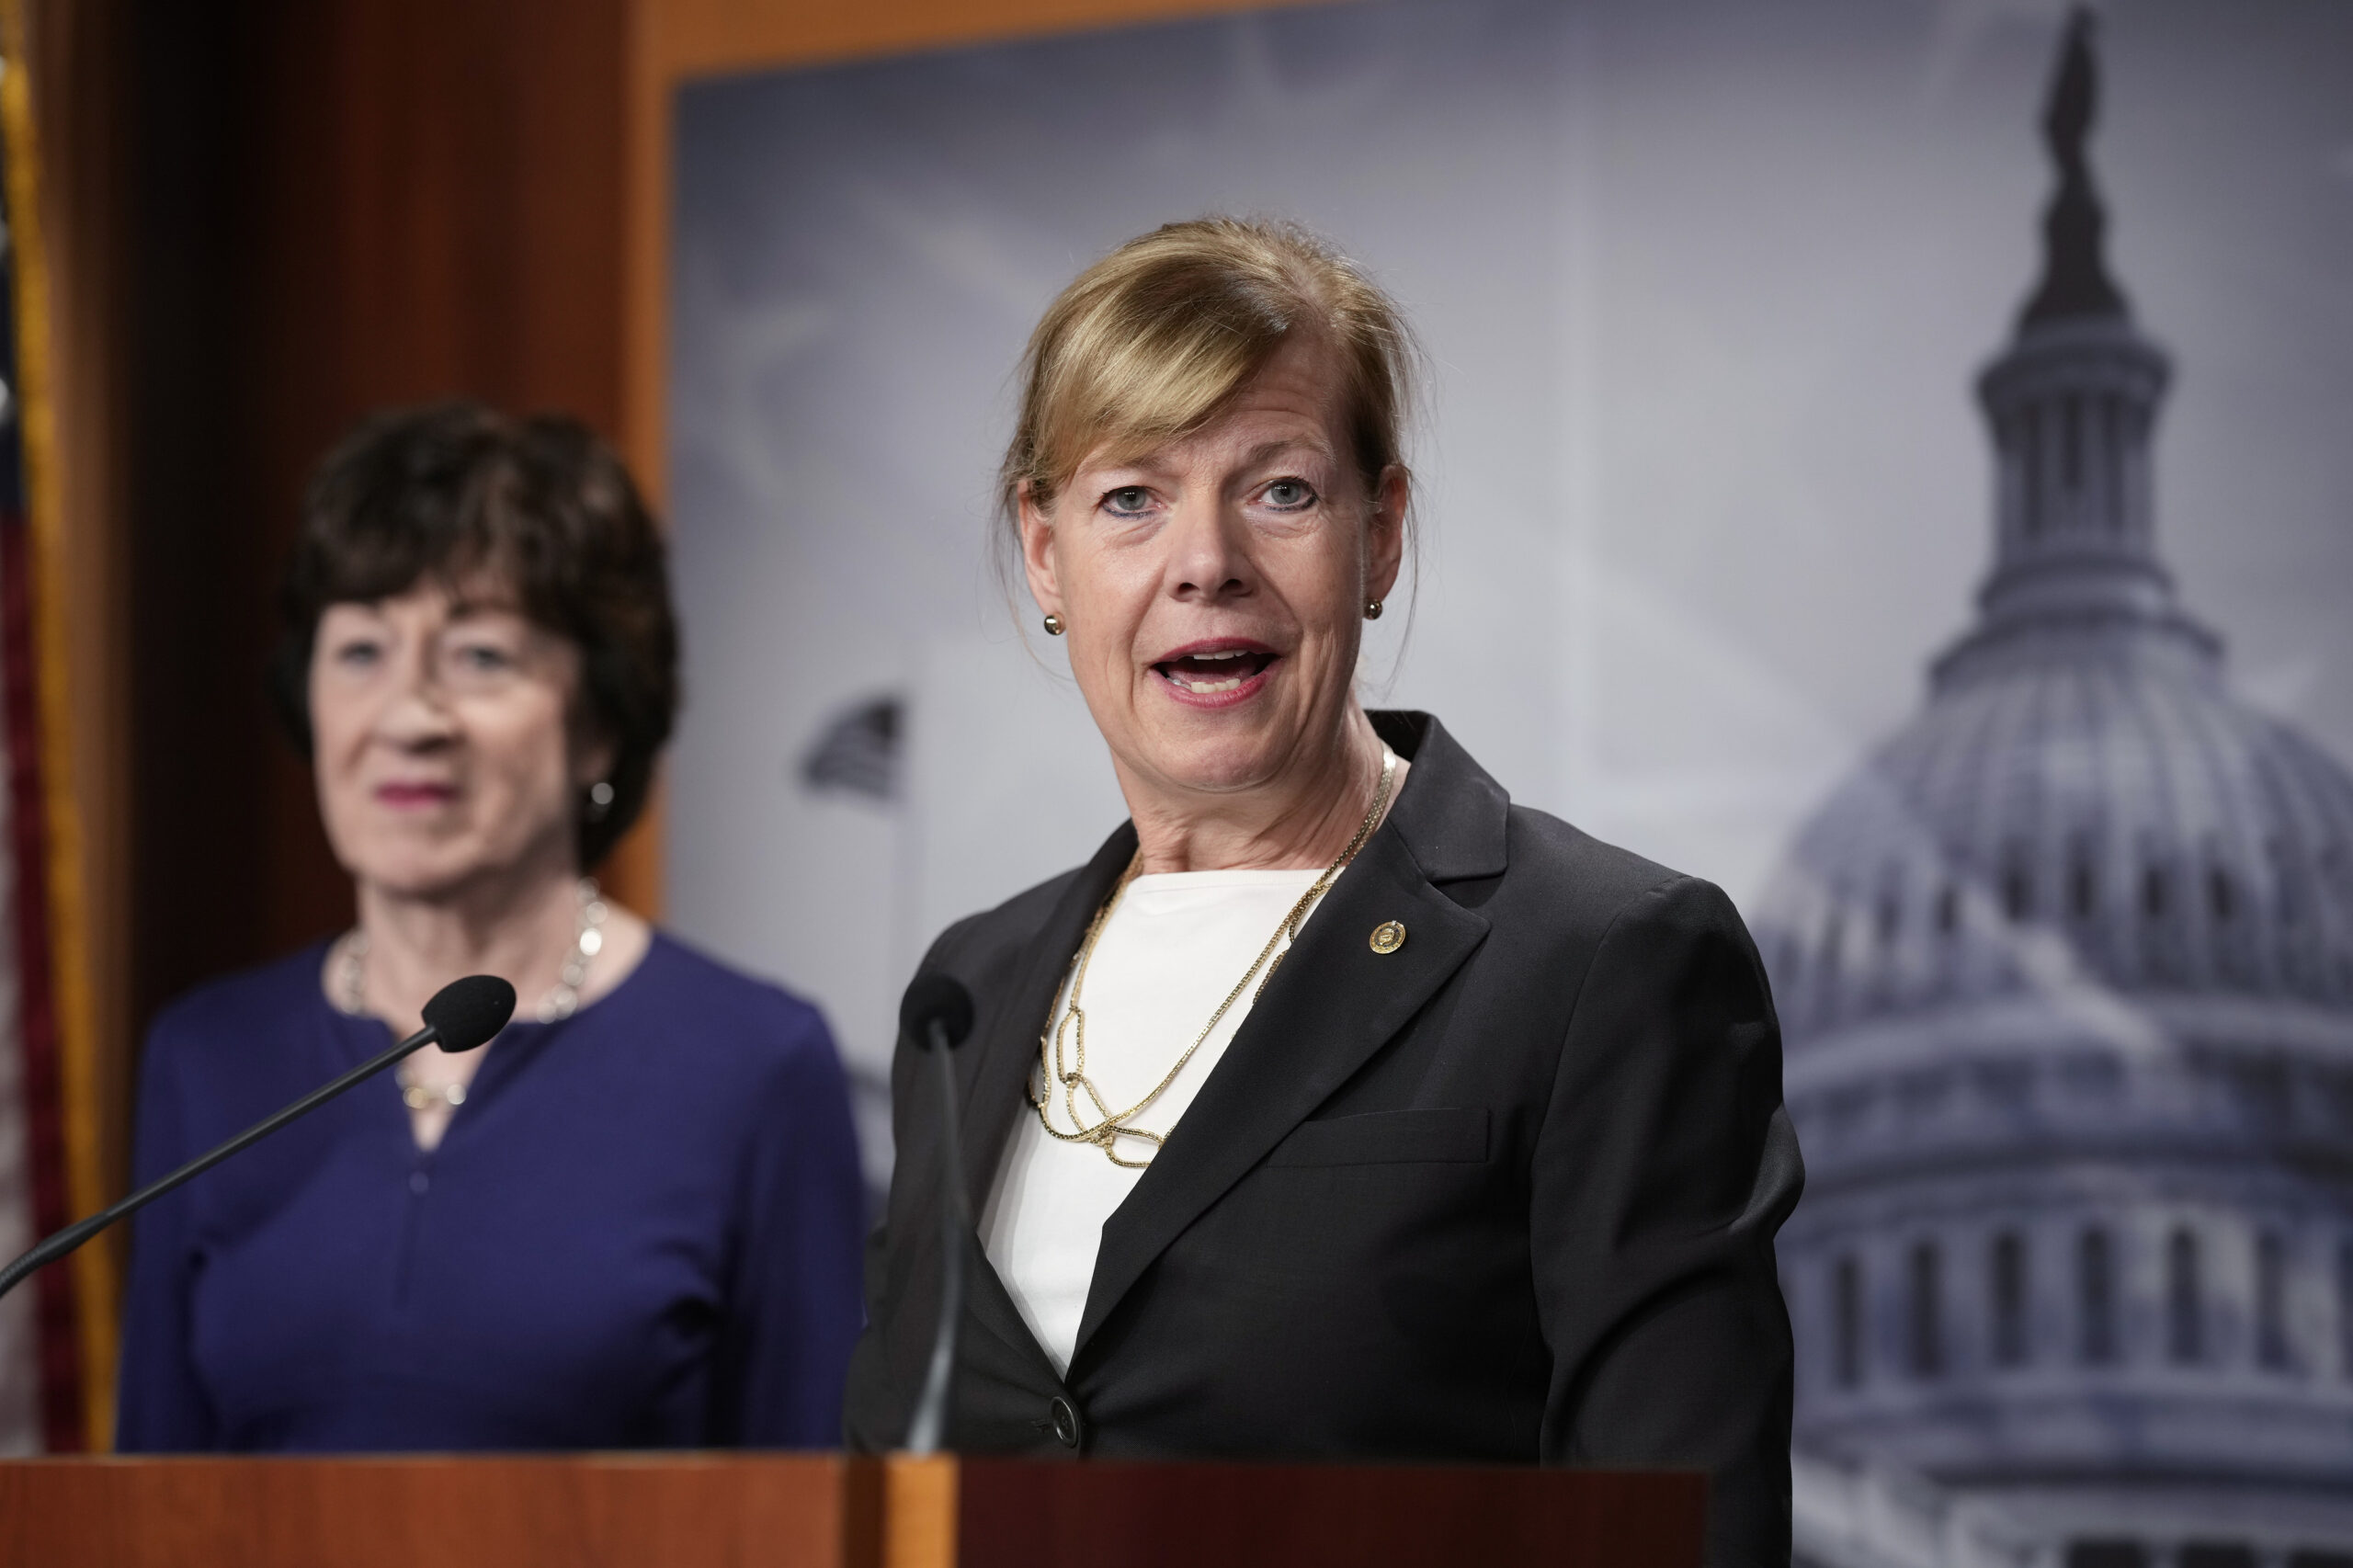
<point>1206,687</point>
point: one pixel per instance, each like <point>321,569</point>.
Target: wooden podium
<point>831,1511</point>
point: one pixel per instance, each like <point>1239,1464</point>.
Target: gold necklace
<point>1108,1127</point>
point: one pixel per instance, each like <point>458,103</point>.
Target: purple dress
<point>642,1230</point>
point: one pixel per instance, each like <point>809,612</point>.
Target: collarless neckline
<point>1239,876</point>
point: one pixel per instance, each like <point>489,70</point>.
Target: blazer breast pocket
<point>1432,1135</point>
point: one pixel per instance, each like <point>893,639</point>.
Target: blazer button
<point>1065,1418</point>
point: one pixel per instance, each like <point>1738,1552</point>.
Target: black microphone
<point>461,1015</point>
<point>937,1013</point>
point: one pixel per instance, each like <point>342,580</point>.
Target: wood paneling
<point>705,37</point>
<point>343,205</point>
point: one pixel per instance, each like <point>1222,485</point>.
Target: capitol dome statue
<point>2066,975</point>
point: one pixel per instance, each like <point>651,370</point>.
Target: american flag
<point>857,751</point>
<point>41,1385</point>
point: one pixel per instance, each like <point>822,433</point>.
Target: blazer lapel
<point>996,1097</point>
<point>995,1100</point>
<point>1333,1003</point>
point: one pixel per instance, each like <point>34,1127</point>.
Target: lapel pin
<point>1388,937</point>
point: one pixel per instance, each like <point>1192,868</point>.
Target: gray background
<point>1703,289</point>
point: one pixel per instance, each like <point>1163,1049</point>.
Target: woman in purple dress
<point>633,1220</point>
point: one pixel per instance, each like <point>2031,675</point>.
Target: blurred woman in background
<point>632,1221</point>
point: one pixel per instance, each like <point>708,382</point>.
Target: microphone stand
<point>56,1246</point>
<point>955,1234</point>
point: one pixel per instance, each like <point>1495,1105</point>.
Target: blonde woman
<point>1338,1109</point>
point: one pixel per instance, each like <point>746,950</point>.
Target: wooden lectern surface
<point>595,1511</point>
<point>1109,1514</point>
<point>831,1511</point>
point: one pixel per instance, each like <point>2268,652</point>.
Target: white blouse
<point>1175,945</point>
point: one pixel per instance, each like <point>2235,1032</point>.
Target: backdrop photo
<point>1972,693</point>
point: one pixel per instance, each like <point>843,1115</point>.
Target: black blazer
<point>1508,1193</point>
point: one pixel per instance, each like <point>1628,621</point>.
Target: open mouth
<point>411,794</point>
<point>1213,671</point>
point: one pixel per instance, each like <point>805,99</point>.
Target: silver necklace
<point>562,998</point>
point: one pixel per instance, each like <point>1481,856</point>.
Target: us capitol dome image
<point>2066,975</point>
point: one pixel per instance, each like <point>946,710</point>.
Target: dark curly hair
<point>455,489</point>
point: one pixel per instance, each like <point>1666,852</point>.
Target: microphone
<point>937,1013</point>
<point>463,1014</point>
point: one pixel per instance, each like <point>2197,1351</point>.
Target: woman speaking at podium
<point>1338,1109</point>
<point>632,1220</point>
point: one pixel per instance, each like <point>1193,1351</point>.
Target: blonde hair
<point>1148,344</point>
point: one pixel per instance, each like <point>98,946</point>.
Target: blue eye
<point>481,657</point>
<point>1129,500</point>
<point>357,655</point>
<point>1290,494</point>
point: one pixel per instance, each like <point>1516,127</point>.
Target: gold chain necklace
<point>1110,1125</point>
